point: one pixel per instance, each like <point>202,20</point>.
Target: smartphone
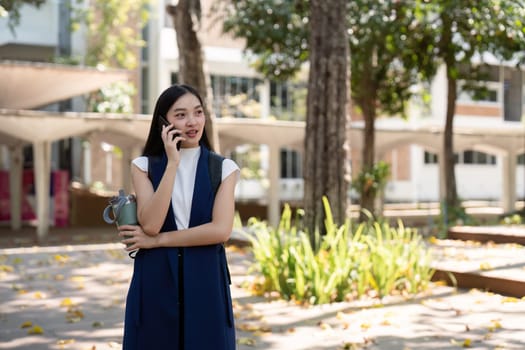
<point>164,121</point>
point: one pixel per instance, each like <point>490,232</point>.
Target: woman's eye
<point>179,116</point>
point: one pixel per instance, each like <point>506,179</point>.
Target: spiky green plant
<point>339,264</point>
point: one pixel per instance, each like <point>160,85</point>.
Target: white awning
<point>29,126</point>
<point>27,85</point>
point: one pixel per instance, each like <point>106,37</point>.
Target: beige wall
<point>482,111</point>
<point>212,28</point>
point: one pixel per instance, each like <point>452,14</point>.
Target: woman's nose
<point>191,119</point>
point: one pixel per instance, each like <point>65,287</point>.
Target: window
<point>466,157</point>
<point>475,157</point>
<point>288,100</point>
<point>232,95</point>
<point>491,94</point>
<point>488,77</point>
<point>430,158</point>
<point>484,72</point>
<point>291,164</point>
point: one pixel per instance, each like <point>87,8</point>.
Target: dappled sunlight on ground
<point>73,297</point>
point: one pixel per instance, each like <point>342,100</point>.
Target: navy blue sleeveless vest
<point>179,298</point>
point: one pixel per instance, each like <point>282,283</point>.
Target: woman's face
<point>187,115</point>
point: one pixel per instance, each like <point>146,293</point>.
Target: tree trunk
<point>186,20</point>
<point>451,196</point>
<point>326,171</point>
<point>367,203</point>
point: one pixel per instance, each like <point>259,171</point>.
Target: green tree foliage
<point>11,9</point>
<point>114,39</point>
<point>454,34</point>
<point>113,31</point>
<point>276,33</point>
<point>383,37</point>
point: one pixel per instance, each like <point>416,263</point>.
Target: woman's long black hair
<point>154,145</point>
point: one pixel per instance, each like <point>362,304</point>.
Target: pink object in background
<point>5,204</point>
<point>28,195</point>
<point>60,198</point>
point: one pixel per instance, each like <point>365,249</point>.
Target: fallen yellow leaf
<point>352,346</point>
<point>253,315</point>
<point>440,283</point>
<point>74,315</point>
<point>510,300</point>
<point>248,327</point>
<point>433,240</point>
<point>61,258</point>
<point>495,324</point>
<point>246,341</point>
<point>6,268</point>
<point>66,302</point>
<point>365,325</point>
<point>78,279</point>
<point>325,326</point>
<point>35,330</point>
<point>386,322</point>
<point>62,342</point>
<point>26,324</point>
<point>485,266</point>
<point>467,343</point>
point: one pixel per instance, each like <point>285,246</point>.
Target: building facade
<point>240,92</point>
<point>97,160</point>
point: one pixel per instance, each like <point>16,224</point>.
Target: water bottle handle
<point>116,210</point>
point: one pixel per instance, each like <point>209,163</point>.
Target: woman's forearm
<point>206,234</point>
<point>152,212</point>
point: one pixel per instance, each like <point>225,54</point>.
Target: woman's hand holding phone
<point>170,131</point>
<point>171,139</point>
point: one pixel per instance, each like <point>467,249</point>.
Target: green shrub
<point>374,259</point>
<point>514,219</point>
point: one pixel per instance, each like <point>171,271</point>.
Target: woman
<point>179,296</point>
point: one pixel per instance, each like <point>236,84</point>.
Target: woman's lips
<point>192,133</point>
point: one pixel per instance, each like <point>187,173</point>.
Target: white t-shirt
<point>182,194</point>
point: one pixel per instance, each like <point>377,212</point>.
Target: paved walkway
<point>72,297</point>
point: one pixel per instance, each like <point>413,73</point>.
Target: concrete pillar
<point>509,182</point>
<point>16,166</point>
<point>42,168</point>
<point>264,94</point>
<point>4,157</point>
<point>128,154</point>
<point>76,149</point>
<point>86,165</point>
<point>274,173</point>
<point>441,177</point>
